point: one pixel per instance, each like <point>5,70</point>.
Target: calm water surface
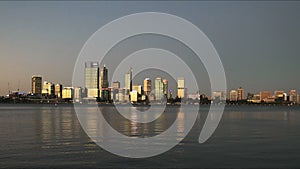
<point>34,136</point>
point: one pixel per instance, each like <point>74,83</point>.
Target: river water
<point>45,136</point>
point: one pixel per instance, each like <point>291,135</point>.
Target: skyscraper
<point>36,85</point>
<point>128,81</point>
<point>159,89</point>
<point>165,87</point>
<point>92,79</point>
<point>58,90</point>
<point>104,92</point>
<point>240,91</point>
<point>233,95</point>
<point>48,89</point>
<point>293,96</point>
<point>147,86</point>
<point>180,87</point>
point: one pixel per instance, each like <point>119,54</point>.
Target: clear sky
<point>258,42</point>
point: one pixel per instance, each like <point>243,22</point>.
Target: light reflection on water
<point>248,136</point>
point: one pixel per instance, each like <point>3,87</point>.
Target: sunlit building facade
<point>58,90</point>
<point>128,81</point>
<point>159,89</point>
<point>92,79</point>
<point>241,93</point>
<point>147,86</point>
<point>233,96</point>
<point>180,87</point>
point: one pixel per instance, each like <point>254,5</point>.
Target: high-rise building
<point>92,79</point>
<point>77,94</point>
<point>219,95</point>
<point>138,88</point>
<point>104,92</point>
<point>233,95</point>
<point>134,96</point>
<point>165,88</point>
<point>36,85</point>
<point>128,81</point>
<point>293,96</point>
<point>264,95</point>
<point>147,86</point>
<point>48,89</point>
<point>279,95</point>
<point>68,93</point>
<point>58,90</point>
<point>159,89</point>
<point>180,87</point>
<point>298,99</point>
<point>241,93</point>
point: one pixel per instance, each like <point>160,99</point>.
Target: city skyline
<point>257,45</point>
<point>96,82</point>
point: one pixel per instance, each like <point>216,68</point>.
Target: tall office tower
<point>293,96</point>
<point>36,85</point>
<point>48,88</point>
<point>58,90</point>
<point>165,88</point>
<point>77,94</point>
<point>91,76</point>
<point>147,86</point>
<point>128,81</point>
<point>241,93</point>
<point>104,92</point>
<point>233,95</point>
<point>159,89</point>
<point>180,87</point>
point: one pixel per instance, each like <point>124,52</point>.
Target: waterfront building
<point>147,86</point>
<point>48,89</point>
<point>293,96</point>
<point>36,85</point>
<point>77,94</point>
<point>165,88</point>
<point>279,95</point>
<point>67,93</point>
<point>158,89</point>
<point>241,93</point>
<point>115,90</point>
<point>138,88</point>
<point>104,91</point>
<point>298,99</point>
<point>92,79</point>
<point>233,96</point>
<point>134,96</point>
<point>128,81</point>
<point>58,90</point>
<point>219,96</point>
<point>265,96</point>
<point>180,88</point>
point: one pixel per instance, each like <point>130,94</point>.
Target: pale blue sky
<point>258,42</point>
